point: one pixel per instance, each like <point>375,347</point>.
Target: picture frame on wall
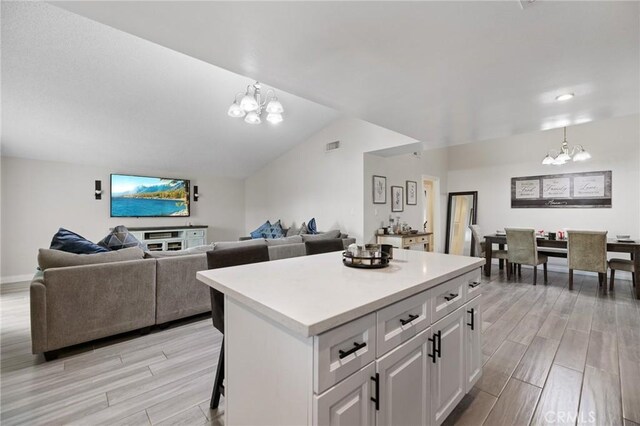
<point>412,193</point>
<point>397,199</point>
<point>379,186</point>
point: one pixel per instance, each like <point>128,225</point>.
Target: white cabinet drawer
<point>401,321</point>
<point>473,283</point>
<point>342,351</point>
<point>195,233</point>
<point>447,297</point>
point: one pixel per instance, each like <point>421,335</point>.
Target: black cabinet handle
<point>356,347</point>
<point>408,320</point>
<point>439,336</point>
<point>474,284</point>
<point>376,380</point>
<point>450,297</point>
<point>435,350</point>
<point>471,324</point>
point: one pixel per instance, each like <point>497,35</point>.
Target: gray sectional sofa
<point>79,298</point>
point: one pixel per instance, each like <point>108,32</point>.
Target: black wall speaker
<point>98,191</point>
<point>195,193</point>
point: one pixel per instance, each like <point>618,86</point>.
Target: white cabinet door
<point>404,383</point>
<point>473,342</point>
<point>448,377</point>
<point>349,402</point>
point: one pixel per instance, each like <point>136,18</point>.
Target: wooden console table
<point>405,241</point>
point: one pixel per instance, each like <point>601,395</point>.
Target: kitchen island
<point>310,341</point>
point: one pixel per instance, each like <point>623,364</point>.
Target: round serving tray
<point>376,262</point>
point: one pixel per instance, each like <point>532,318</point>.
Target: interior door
<point>404,375</point>
<point>448,378</point>
<point>348,402</point>
<point>473,342</point>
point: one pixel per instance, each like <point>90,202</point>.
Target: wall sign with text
<point>589,189</point>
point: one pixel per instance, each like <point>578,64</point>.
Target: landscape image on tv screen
<point>141,196</point>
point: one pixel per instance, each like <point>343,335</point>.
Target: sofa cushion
<point>329,235</point>
<point>71,242</point>
<point>120,238</point>
<point>295,239</point>
<point>285,251</point>
<point>260,230</point>
<point>48,258</point>
<point>303,229</point>
<point>233,244</point>
<point>274,231</point>
<point>313,228</point>
<point>174,253</point>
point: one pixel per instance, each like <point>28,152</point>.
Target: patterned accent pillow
<point>274,231</point>
<point>313,229</point>
<point>260,230</point>
<point>303,229</point>
<point>120,238</point>
<point>71,242</point>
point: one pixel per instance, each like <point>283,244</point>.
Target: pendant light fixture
<point>252,105</point>
<point>565,154</point>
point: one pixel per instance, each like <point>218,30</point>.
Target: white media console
<point>171,237</point>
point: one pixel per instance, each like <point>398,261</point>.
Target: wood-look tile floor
<point>551,356</point>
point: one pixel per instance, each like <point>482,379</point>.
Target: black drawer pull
<point>376,380</point>
<point>474,284</point>
<point>439,336</point>
<point>435,350</point>
<point>471,324</point>
<point>450,297</point>
<point>408,320</point>
<point>356,347</point>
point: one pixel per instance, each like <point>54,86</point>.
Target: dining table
<point>557,245</point>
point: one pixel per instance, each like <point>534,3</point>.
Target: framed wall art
<point>397,199</point>
<point>379,189</point>
<point>412,193</point>
<point>568,190</point>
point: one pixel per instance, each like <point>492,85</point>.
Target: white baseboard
<point>555,267</point>
<point>15,278</point>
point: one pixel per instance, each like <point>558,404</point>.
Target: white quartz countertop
<point>312,294</point>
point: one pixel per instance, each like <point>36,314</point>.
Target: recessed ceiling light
<point>564,97</point>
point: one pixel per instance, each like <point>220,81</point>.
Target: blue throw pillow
<point>71,242</point>
<point>120,238</point>
<point>311,226</point>
<point>262,229</point>
<point>274,231</point>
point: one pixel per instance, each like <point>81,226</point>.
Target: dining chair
<point>621,265</point>
<point>323,246</point>
<point>522,249</point>
<point>480,244</point>
<point>587,251</point>
<point>223,258</point>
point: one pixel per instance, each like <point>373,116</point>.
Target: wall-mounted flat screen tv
<point>144,196</point>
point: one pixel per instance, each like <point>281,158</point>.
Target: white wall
<point>399,169</point>
<point>487,167</point>
<point>38,197</point>
<point>306,182</point>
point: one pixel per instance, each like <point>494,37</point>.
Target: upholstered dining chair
<point>587,251</point>
<point>223,258</point>
<point>323,246</point>
<point>479,245</point>
<point>622,265</point>
<point>522,249</point>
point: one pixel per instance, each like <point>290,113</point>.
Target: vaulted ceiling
<point>443,73</point>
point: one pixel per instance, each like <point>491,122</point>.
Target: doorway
<point>431,192</point>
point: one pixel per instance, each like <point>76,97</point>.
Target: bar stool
<point>223,258</point>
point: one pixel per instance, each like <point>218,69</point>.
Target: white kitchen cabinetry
<point>448,384</point>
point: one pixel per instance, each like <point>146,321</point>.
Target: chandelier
<point>252,105</point>
<point>565,154</point>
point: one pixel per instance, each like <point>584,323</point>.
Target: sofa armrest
<point>88,302</point>
<point>38,313</point>
<point>346,242</point>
